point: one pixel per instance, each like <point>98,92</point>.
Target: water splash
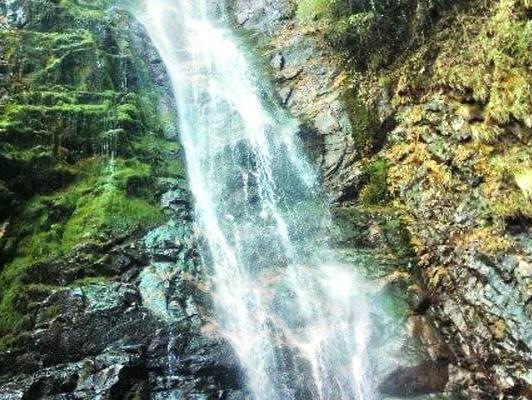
<point>296,317</point>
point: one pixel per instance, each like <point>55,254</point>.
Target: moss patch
<point>375,192</point>
<point>371,33</point>
<point>81,146</point>
<point>98,207</point>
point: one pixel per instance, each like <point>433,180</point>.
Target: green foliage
<point>310,10</point>
<point>375,192</point>
<point>372,33</point>
<point>96,208</point>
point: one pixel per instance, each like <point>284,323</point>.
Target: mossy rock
<point>82,147</point>
<point>375,191</point>
<point>375,227</point>
<point>373,33</point>
<point>111,199</point>
<point>16,303</point>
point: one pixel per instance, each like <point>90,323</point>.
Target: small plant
<point>312,10</point>
<point>376,191</point>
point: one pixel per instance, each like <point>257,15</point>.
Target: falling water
<point>295,316</point>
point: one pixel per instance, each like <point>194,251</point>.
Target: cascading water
<point>296,317</point>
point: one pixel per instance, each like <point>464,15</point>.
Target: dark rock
<point>413,381</point>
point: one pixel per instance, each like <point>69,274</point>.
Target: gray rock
<point>413,381</point>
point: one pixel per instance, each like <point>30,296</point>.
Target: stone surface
<point>124,314</point>
<point>449,176</point>
<point>418,161</point>
<point>307,74</point>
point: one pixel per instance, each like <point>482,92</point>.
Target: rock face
<point>308,76</point>
<point>424,151</point>
<point>101,294</point>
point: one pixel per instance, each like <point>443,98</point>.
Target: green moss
<point>10,313</point>
<point>311,10</point>
<point>166,155</point>
<point>491,62</point>
<point>372,33</point>
<point>16,302</point>
<point>363,120</point>
<point>397,235</point>
<point>88,281</point>
<point>101,205</point>
<point>70,57</point>
<point>375,226</point>
<point>87,9</point>
<point>508,185</point>
<point>112,210</point>
<point>8,342</point>
<point>375,192</point>
<point>76,108</point>
<point>175,167</point>
<point>52,312</point>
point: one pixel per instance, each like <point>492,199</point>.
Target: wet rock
<point>174,200</point>
<point>263,17</point>
<point>418,380</point>
<point>16,13</point>
<point>109,339</point>
<point>421,328</point>
<point>168,242</point>
<point>278,61</point>
<point>305,73</point>
<point>285,95</point>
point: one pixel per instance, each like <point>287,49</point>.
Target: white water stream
<point>296,317</point>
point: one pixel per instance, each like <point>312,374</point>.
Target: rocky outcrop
<point>115,339</point>
<point>309,77</point>
<point>423,147</point>
<point>422,126</point>
<point>101,292</point>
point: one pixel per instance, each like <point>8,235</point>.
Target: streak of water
<point>295,316</point>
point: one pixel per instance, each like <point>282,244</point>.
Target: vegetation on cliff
<point>455,163</point>
<point>81,141</point>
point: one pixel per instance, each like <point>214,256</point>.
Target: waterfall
<point>295,316</point>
